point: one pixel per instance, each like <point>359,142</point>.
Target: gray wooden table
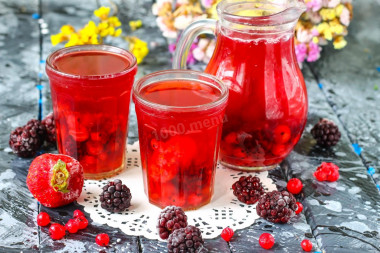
<point>338,217</point>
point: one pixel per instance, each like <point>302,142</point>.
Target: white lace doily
<point>141,217</point>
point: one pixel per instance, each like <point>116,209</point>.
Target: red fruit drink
<point>180,116</point>
<point>90,89</point>
<point>267,105</point>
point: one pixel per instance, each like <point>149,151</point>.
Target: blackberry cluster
<point>49,123</point>
<point>116,196</point>
<point>248,189</point>
<point>188,239</point>
<point>25,141</point>
<point>326,133</point>
<point>170,219</point>
<point>277,207</point>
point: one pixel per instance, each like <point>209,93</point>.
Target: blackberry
<point>49,123</point>
<point>277,207</point>
<point>116,196</point>
<point>25,141</point>
<point>326,133</point>
<point>248,189</point>
<point>170,219</point>
<point>188,239</point>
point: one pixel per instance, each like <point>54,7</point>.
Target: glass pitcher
<point>254,56</point>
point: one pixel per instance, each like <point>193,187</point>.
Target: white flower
<point>333,3</point>
<point>345,17</point>
<point>304,35</point>
<point>198,54</point>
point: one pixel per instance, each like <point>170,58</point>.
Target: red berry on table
<point>299,207</point>
<point>327,172</point>
<point>306,245</point>
<point>102,239</point>
<point>57,231</point>
<point>72,226</point>
<point>55,180</point>
<point>82,221</point>
<point>78,213</point>
<point>266,241</point>
<point>43,219</point>
<point>294,186</point>
<point>227,234</point>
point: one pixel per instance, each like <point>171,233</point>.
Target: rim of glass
<point>287,15</point>
<point>82,48</point>
<point>166,75</point>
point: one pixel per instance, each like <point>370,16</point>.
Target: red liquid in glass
<point>91,111</point>
<point>267,106</point>
<point>179,149</point>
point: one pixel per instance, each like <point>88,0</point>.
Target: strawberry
<point>55,180</point>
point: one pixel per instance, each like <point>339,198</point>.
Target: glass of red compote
<point>91,89</point>
<point>254,56</point>
<point>180,116</point>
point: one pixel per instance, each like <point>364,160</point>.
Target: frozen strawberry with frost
<point>55,180</point>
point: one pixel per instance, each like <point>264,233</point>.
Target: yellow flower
<point>336,27</point>
<point>339,42</point>
<point>57,38</point>
<point>114,21</point>
<point>138,48</point>
<point>135,24</point>
<point>102,13</point>
<point>74,40</point>
<point>327,14</point>
<point>339,9</point>
<point>324,29</point>
<point>118,32</point>
<point>316,40</point>
<point>67,29</point>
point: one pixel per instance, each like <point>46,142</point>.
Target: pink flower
<point>301,52</point>
<point>314,52</point>
<point>207,3</point>
<point>314,5</point>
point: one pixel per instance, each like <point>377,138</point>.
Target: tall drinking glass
<point>91,89</point>
<point>180,115</point>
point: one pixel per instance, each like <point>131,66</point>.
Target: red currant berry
<point>227,234</point>
<point>299,207</point>
<point>306,245</point>
<point>102,239</point>
<point>57,231</point>
<point>266,241</point>
<point>43,219</point>
<point>83,222</point>
<point>72,226</point>
<point>78,213</point>
<point>294,186</point>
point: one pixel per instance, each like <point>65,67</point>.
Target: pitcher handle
<point>204,26</point>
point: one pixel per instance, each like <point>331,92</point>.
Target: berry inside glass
<point>90,89</point>
<point>180,116</point>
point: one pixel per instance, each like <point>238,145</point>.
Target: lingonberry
<point>102,239</point>
<point>299,207</point>
<point>43,219</point>
<point>306,245</point>
<point>266,241</point>
<point>82,221</point>
<point>72,226</point>
<point>227,234</point>
<point>57,231</point>
<point>294,186</point>
<point>78,213</point>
